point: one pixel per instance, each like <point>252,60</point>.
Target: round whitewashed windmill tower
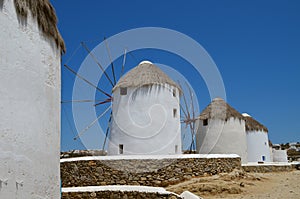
<point>221,130</point>
<point>30,56</point>
<point>146,113</point>
<point>257,140</point>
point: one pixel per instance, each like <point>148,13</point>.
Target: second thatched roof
<point>145,74</point>
<point>219,109</point>
<point>252,124</point>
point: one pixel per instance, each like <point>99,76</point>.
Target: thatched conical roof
<point>252,124</point>
<point>44,13</point>
<point>145,74</point>
<point>219,109</point>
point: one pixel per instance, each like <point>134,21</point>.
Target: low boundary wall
<point>129,192</point>
<point>267,167</point>
<point>157,171</point>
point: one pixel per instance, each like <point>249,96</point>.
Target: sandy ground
<point>239,184</point>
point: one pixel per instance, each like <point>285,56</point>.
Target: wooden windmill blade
<point>97,62</point>
<point>123,64</point>
<point>104,101</point>
<point>185,111</point>
<point>192,101</point>
<point>111,62</point>
<point>189,113</point>
<point>185,102</point>
<point>87,81</point>
<point>91,124</point>
<point>107,130</point>
<point>80,101</point>
<point>192,124</point>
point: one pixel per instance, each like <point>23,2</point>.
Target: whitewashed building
<point>30,54</point>
<point>221,130</point>
<point>279,155</point>
<point>257,140</point>
<point>146,113</point>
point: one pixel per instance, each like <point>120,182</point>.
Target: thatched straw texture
<point>219,109</point>
<point>145,74</point>
<point>253,125</point>
<point>45,15</point>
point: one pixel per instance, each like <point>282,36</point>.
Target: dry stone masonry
<point>267,168</point>
<point>147,172</point>
<point>119,194</point>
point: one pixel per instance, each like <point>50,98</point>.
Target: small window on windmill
<point>176,148</point>
<point>121,149</point>
<point>123,91</point>
<point>205,122</point>
<point>174,112</point>
<point>174,92</point>
<point>263,158</point>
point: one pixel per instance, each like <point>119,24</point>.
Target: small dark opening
<point>123,91</point>
<point>174,92</point>
<point>174,112</point>
<point>121,148</point>
<point>263,158</point>
<point>205,122</point>
<point>176,148</point>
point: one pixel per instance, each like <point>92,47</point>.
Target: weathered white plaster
<point>224,137</point>
<point>146,189</point>
<point>29,109</point>
<point>189,195</point>
<point>279,155</point>
<point>143,121</point>
<point>258,146</point>
<point>267,164</point>
<point>147,157</point>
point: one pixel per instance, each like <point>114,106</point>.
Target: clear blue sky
<point>255,44</point>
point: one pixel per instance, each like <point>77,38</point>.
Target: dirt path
<point>239,184</point>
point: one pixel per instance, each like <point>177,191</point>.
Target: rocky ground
<point>239,184</point>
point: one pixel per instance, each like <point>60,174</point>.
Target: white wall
<point>222,137</point>
<point>143,121</point>
<point>279,155</point>
<point>29,110</point>
<point>258,146</point>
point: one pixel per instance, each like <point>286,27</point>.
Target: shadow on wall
<point>1,4</point>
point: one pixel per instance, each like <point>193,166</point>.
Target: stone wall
<point>118,194</point>
<point>160,172</point>
<point>267,168</point>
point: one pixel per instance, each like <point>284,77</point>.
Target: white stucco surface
<point>258,146</point>
<point>189,195</point>
<point>145,157</point>
<point>222,137</point>
<point>116,188</point>
<point>143,121</point>
<point>29,110</point>
<point>267,164</point>
<point>279,156</point>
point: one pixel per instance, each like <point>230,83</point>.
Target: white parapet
<point>279,156</point>
<point>149,157</point>
<point>130,188</point>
